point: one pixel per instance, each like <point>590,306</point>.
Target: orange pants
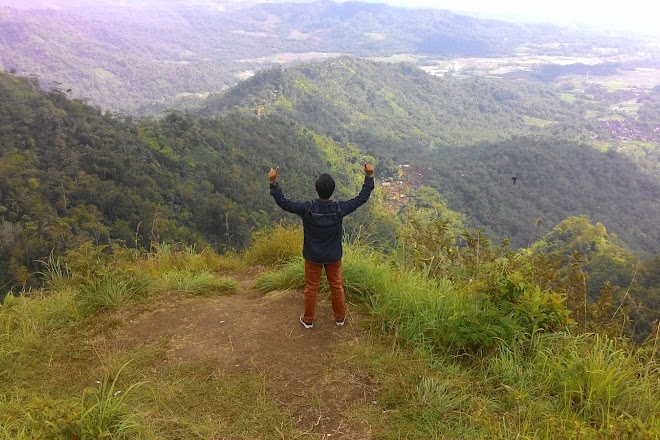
<point>312,281</point>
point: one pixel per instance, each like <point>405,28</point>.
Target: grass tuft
<point>178,257</point>
<point>56,272</point>
<point>112,291</point>
<point>274,246</point>
<point>290,275</point>
<point>198,283</point>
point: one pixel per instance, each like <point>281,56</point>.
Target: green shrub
<point>276,245</point>
<point>198,283</point>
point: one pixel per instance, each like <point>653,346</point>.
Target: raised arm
<point>299,208</point>
<point>349,206</point>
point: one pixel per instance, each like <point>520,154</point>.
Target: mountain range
<point>142,58</point>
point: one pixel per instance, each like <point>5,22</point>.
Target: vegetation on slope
<point>71,174</point>
<point>470,136</point>
<point>554,179</point>
<point>397,110</point>
<point>514,346</point>
<point>488,345</point>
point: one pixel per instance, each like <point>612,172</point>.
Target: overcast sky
<point>620,14</point>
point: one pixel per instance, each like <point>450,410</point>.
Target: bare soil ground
<point>250,331</point>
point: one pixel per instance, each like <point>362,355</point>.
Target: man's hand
<point>369,170</point>
<point>272,174</point>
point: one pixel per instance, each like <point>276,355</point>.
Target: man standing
<point>322,247</point>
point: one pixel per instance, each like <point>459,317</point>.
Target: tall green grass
<point>524,373</point>
<point>197,283</point>
<point>56,272</point>
<point>106,279</point>
<point>26,323</point>
<point>101,413</point>
<point>421,309</point>
<point>289,275</point>
<point>364,273</point>
<point>177,257</point>
<point>112,290</point>
<point>39,330</point>
<point>591,384</point>
<point>480,358</point>
<point>105,413</point>
<point>274,245</point>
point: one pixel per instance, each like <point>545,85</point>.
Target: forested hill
<point>138,65</point>
<point>144,59</point>
<point>471,136</point>
<point>70,174</point>
<point>555,179</point>
<point>398,110</point>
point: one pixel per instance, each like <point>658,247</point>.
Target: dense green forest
<point>554,179</point>
<point>144,60</point>
<point>397,110</point>
<point>71,174</point>
<point>470,136</point>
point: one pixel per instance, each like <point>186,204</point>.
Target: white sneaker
<point>340,322</point>
<point>302,321</point>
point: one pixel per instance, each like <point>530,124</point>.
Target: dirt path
<point>251,331</point>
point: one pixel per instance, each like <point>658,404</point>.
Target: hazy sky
<point>620,14</point>
<point>642,15</point>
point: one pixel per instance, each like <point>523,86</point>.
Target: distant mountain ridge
<point>144,60</point>
<point>396,109</point>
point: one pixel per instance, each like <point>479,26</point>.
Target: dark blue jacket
<point>322,221</point>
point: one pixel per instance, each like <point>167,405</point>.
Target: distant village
<point>397,192</point>
<point>627,130</point>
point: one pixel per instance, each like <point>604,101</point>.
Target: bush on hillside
<point>276,245</point>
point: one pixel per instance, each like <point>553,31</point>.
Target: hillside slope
<point>70,174</point>
<point>397,110</point>
<point>468,137</point>
<point>554,180</point>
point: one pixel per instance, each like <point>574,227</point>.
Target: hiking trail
<point>249,331</point>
